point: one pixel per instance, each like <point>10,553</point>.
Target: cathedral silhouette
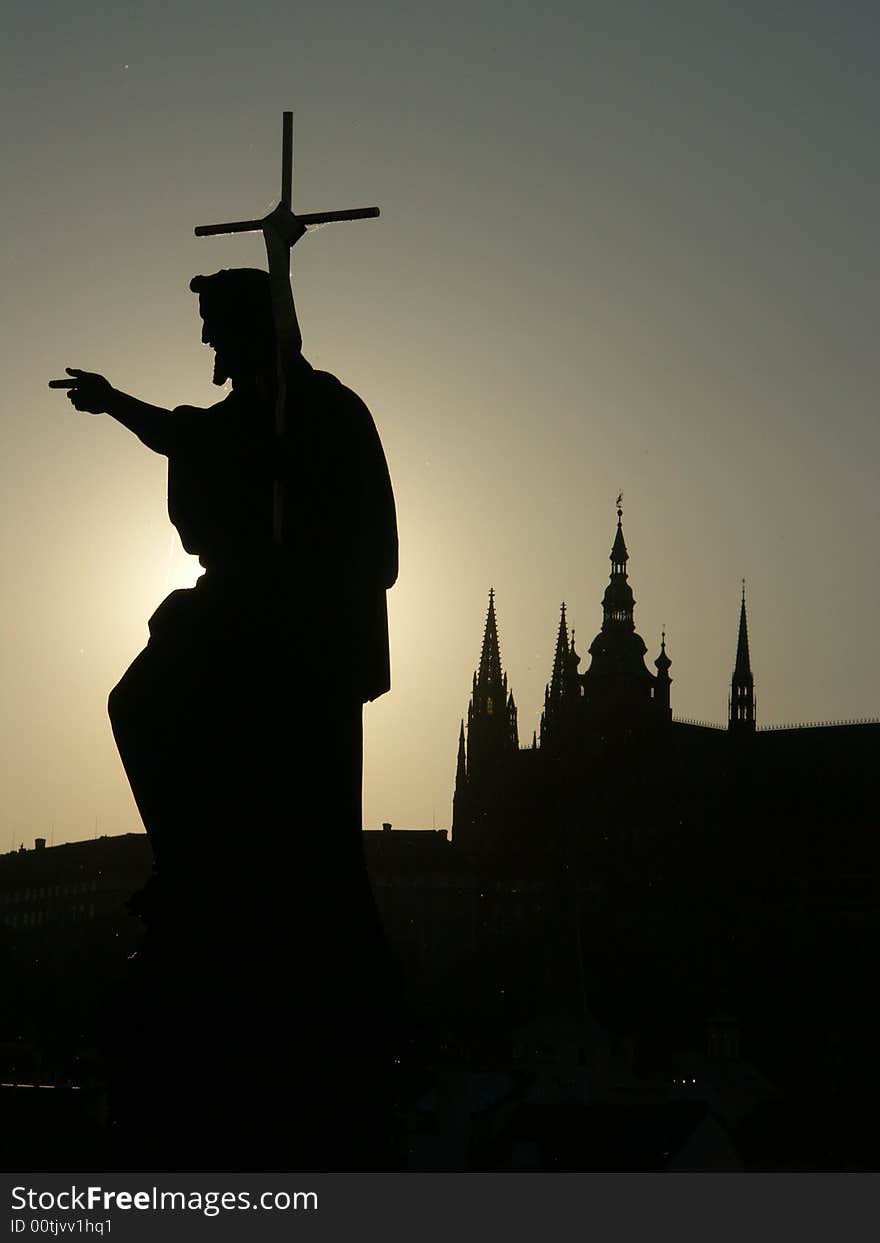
<point>611,765</point>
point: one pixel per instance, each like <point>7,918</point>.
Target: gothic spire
<point>743,667</point>
<point>742,685</point>
<point>563,692</point>
<point>490,658</point>
<point>560,658</point>
<point>492,700</point>
<point>483,768</point>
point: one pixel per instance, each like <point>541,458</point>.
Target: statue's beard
<point>221,373</point>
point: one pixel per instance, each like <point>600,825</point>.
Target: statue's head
<point>236,309</point>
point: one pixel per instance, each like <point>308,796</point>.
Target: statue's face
<point>212,335</point>
<point>243,343</point>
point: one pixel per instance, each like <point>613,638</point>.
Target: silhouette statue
<point>254,1031</point>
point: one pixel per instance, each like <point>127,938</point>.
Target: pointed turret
<point>492,737</point>
<point>461,764</point>
<point>571,688</point>
<point>742,686</point>
<point>619,555</point>
<point>460,799</point>
<point>564,688</point>
<point>663,681</point>
<point>460,794</point>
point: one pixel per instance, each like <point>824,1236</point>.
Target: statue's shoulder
<point>188,414</point>
<point>325,382</point>
<point>193,425</point>
<point>343,402</point>
<point>198,415</point>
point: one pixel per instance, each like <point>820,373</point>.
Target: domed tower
<point>618,686</point>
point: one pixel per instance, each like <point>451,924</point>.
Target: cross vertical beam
<point>287,160</point>
<point>281,230</point>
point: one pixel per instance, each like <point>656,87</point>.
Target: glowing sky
<point>624,245</point>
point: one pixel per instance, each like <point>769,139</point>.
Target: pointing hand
<point>86,391</point>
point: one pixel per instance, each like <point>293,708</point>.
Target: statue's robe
<point>262,993</point>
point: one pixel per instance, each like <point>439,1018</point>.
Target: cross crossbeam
<point>307,218</point>
<point>281,230</point>
<point>283,216</point>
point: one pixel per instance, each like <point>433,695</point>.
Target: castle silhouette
<point>610,762</point>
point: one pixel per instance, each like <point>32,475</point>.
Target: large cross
<point>281,230</point>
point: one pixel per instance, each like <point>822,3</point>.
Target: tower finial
<point>619,555</point>
<point>619,504</point>
<point>663,662</point>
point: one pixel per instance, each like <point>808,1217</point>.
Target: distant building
<point>50,888</point>
<point>610,762</point>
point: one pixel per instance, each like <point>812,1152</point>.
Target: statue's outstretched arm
<point>92,392</point>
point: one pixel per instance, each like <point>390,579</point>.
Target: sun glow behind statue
<point>684,332</point>
<point>181,569</point>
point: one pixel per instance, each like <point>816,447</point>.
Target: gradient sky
<point>622,246</point>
